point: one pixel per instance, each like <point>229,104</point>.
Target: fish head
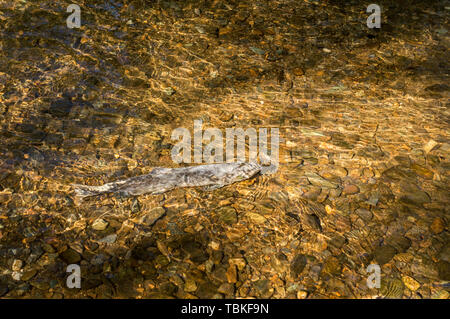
<point>245,170</point>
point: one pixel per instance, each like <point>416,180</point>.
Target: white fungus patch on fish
<point>161,180</point>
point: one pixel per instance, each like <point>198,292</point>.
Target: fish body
<point>161,180</point>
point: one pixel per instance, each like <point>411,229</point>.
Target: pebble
<point>190,285</point>
<point>100,224</point>
<point>110,239</point>
<point>373,199</point>
<point>315,271</point>
<point>60,108</point>
<point>444,254</point>
<point>423,266</point>
<point>214,245</point>
<point>151,217</point>
<point>317,180</point>
<point>339,171</point>
<point>70,256</point>
<point>206,290</point>
<point>99,259</point>
<point>392,288</point>
<point>443,270</point>
<point>331,267</point>
<point>329,210</point>
<point>334,193</point>
<point>48,248</point>
<point>417,197</point>
<point>341,223</point>
<point>313,193</point>
<point>28,275</point>
<point>226,289</point>
<point>227,215</point>
<point>219,273</point>
<point>365,214</point>
<point>41,284</point>
<point>431,144</point>
<point>196,252</point>
<point>298,264</point>
<point>256,218</point>
<point>16,275</point>
<point>410,283</point>
<point>238,262</point>
<point>399,242</point>
<point>262,286</point>
<point>437,226</point>
<point>384,254</point>
<point>367,172</point>
<point>422,171</point>
<point>236,234</point>
<point>17,265</point>
<point>350,189</point>
<point>302,294</point>
<point>231,274</point>
<point>169,91</point>
<point>298,71</point>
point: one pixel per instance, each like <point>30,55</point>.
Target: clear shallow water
<point>363,149</point>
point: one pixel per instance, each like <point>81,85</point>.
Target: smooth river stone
<point>350,189</point>
<point>100,224</point>
<point>384,254</point>
<point>437,226</point>
<point>318,180</point>
<point>366,215</point>
<point>410,283</point>
<point>392,288</point>
<point>256,218</point>
<point>298,264</point>
<point>227,215</point>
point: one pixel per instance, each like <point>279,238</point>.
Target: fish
<point>161,179</point>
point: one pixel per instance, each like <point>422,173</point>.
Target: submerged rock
<point>110,239</point>
<point>100,224</point>
<point>298,264</point>
<point>70,256</point>
<point>151,217</point>
<point>317,180</point>
<point>384,254</point>
<point>227,215</point>
<point>392,288</point>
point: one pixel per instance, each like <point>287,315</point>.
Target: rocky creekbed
<point>363,116</point>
